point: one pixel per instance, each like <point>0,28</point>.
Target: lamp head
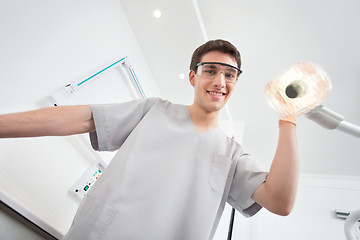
<point>298,89</point>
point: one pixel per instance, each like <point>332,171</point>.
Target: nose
<point>219,80</point>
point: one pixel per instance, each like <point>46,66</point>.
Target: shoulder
<point>156,101</point>
<point>161,101</point>
<point>165,104</point>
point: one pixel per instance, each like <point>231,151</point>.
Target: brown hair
<point>214,45</point>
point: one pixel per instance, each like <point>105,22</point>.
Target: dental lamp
<point>301,89</point>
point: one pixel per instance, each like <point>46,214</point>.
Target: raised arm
<point>53,121</point>
<point>278,193</point>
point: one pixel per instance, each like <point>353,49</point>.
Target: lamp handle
<point>332,120</point>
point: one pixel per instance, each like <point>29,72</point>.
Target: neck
<point>203,120</point>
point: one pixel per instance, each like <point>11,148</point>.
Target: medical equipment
<point>332,120</point>
<point>298,89</point>
<point>352,223</point>
<point>301,89</point>
<point>351,226</point>
<point>61,97</point>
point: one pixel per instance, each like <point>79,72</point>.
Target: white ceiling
<point>271,35</point>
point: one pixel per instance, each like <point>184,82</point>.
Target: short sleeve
<point>247,178</point>
<point>114,122</point>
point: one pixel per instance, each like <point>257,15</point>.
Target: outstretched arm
<point>278,193</point>
<point>53,121</point>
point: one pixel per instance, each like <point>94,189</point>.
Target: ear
<point>192,77</point>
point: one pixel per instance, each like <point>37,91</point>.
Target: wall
<point>313,216</point>
<point>45,45</point>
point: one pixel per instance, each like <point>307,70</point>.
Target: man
<point>174,170</point>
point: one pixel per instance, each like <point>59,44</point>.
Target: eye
<point>230,75</point>
<point>210,71</point>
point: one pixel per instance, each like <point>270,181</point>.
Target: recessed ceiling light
<point>157,13</point>
<point>182,76</point>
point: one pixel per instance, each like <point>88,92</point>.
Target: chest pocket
<point>219,171</point>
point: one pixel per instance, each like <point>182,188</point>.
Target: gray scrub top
<point>167,181</point>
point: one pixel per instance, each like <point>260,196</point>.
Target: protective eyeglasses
<point>211,70</point>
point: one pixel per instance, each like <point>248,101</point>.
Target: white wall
<point>45,45</point>
<point>313,216</point>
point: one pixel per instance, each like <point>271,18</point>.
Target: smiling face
<point>212,94</point>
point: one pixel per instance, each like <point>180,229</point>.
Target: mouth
<point>216,93</point>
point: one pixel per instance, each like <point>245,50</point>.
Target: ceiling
<point>271,35</point>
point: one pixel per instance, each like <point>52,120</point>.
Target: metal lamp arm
<point>332,120</point>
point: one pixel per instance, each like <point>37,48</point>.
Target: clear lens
<point>212,70</point>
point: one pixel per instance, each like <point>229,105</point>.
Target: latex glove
<point>290,119</point>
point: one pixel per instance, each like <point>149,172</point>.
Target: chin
<point>215,108</point>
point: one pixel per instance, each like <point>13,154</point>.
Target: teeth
<point>216,93</point>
